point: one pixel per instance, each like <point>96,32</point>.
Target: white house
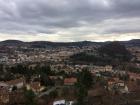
<point>63,102</point>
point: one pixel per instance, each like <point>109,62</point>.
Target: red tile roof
<point>70,80</point>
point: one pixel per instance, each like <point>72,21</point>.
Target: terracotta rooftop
<point>70,80</point>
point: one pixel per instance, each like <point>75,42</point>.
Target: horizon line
<point>67,41</point>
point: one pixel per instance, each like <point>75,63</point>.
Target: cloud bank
<point>69,20</point>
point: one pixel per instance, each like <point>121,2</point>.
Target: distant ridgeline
<point>107,54</point>
<point>48,44</point>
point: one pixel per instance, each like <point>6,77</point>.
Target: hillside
<point>111,53</point>
<point>46,44</point>
<point>115,50</point>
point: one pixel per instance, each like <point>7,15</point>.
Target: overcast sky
<point>69,20</point>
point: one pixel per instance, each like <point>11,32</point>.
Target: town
<point>80,73</point>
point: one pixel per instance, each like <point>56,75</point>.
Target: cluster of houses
<point>9,89</point>
<point>77,68</point>
<point>13,55</point>
<point>114,84</point>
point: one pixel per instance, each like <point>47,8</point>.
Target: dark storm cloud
<point>51,16</point>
